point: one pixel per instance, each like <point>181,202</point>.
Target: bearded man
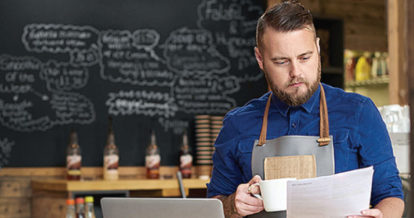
<point>297,108</point>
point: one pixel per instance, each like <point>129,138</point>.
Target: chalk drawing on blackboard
<point>26,103</point>
<point>5,150</point>
<point>233,25</point>
<point>195,94</point>
<point>192,51</point>
<point>141,102</point>
<point>59,38</point>
<point>126,61</point>
<point>177,126</point>
<point>19,75</point>
<point>63,76</point>
<point>72,108</point>
<point>19,116</point>
<point>85,58</point>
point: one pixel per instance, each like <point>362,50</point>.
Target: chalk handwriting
<point>59,38</point>
<point>5,151</point>
<point>143,102</point>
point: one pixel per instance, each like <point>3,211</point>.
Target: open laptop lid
<point>162,207</point>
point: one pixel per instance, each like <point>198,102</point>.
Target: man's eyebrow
<point>278,58</point>
<point>306,53</point>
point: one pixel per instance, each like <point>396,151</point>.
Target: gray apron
<point>319,146</point>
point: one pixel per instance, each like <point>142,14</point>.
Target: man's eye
<point>304,58</point>
<point>280,62</point>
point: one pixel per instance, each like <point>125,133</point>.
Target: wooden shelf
<point>124,184</point>
<point>380,81</point>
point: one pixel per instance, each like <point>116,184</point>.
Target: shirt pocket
<point>244,158</point>
<point>342,150</point>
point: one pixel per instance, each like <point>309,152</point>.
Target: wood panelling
<point>398,87</point>
<point>17,199</point>
<point>410,72</point>
<point>15,187</point>
<point>14,207</point>
<point>364,20</point>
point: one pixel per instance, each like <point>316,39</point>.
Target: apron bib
<point>321,147</point>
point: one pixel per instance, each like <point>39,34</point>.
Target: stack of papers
<point>339,195</point>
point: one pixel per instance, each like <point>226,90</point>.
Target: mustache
<point>296,80</point>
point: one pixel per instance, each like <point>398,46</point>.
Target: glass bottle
<point>70,208</point>
<point>111,157</point>
<point>80,208</point>
<point>73,158</point>
<point>186,159</point>
<point>153,159</point>
<point>89,208</point>
<point>363,67</point>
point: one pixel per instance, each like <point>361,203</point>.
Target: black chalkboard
<point>148,64</point>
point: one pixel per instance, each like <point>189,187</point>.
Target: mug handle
<point>255,195</point>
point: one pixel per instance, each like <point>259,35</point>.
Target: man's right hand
<point>244,203</point>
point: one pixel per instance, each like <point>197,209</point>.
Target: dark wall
<point>148,64</point>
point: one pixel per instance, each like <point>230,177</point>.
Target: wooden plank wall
<point>398,87</point>
<point>410,72</point>
<point>365,25</point>
<point>16,192</point>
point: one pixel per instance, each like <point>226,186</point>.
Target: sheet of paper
<point>335,196</point>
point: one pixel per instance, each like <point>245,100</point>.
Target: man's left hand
<point>369,214</point>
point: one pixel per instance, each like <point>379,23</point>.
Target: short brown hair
<point>284,17</point>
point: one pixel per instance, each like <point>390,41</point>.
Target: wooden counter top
<point>122,184</point>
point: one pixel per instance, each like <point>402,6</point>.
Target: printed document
<point>335,196</point>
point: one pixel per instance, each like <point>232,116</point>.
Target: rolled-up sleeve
<point>226,175</point>
<point>375,150</point>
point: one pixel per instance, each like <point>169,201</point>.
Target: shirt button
<point>293,125</point>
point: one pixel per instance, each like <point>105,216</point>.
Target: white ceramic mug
<point>273,193</point>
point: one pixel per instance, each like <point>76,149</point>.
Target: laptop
<point>162,208</point>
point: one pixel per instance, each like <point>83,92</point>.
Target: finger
<point>255,179</point>
<point>245,209</point>
<point>250,200</point>
<point>244,197</point>
<point>359,216</point>
<point>372,212</point>
<point>254,189</point>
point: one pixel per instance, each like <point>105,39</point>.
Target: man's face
<point>291,63</point>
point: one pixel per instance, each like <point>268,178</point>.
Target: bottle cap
<point>89,199</point>
<point>70,201</point>
<point>79,201</point>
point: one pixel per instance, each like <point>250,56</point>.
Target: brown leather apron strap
<point>324,138</point>
<point>263,133</point>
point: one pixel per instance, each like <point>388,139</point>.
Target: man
<point>288,53</point>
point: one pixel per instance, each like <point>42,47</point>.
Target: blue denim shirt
<point>359,134</point>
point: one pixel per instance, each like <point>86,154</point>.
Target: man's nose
<point>294,69</point>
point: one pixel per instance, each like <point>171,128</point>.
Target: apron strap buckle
<point>324,141</point>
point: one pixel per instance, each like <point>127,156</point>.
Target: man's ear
<point>259,57</point>
<point>317,45</point>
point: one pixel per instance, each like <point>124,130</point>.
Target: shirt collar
<point>308,106</point>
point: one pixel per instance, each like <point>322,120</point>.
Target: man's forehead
<point>291,43</point>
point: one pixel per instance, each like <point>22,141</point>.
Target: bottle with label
<point>70,208</point>
<point>80,208</point>
<point>363,68</point>
<point>73,158</point>
<point>153,159</point>
<point>186,159</point>
<point>111,157</point>
<point>89,209</point>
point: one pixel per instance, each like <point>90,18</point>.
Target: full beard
<point>295,99</point>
